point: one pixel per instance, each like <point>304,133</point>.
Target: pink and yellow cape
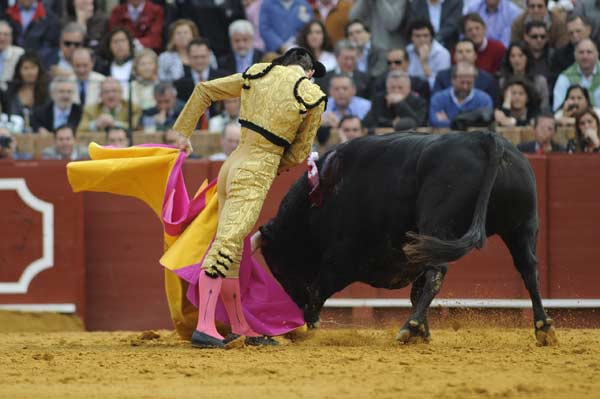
<point>153,173</point>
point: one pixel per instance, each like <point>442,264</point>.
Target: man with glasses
<point>397,60</point>
<point>537,10</point>
<point>9,55</point>
<point>60,62</point>
<point>536,37</point>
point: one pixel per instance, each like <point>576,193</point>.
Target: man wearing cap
<point>280,114</point>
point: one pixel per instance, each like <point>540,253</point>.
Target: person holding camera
<point>7,145</point>
<point>576,101</point>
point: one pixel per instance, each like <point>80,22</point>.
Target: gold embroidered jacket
<point>277,101</point>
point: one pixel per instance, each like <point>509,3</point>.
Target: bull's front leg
<point>424,289</point>
<point>314,304</point>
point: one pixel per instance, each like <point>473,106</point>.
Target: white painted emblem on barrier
<point>47,259</point>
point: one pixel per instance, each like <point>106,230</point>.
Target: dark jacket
<point>529,147</point>
<point>185,86</point>
<point>418,86</point>
<point>228,65</point>
<point>171,116</point>
<point>411,113</point>
<point>42,33</point>
<point>43,116</point>
<point>362,81</point>
<point>449,19</point>
<point>212,19</point>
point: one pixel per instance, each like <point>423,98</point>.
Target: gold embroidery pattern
<point>243,183</point>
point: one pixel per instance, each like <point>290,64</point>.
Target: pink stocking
<point>208,289</point>
<point>230,295</point>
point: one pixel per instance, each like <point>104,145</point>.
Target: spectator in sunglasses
<point>397,60</point>
<point>537,10</point>
<point>536,38</point>
<point>60,63</point>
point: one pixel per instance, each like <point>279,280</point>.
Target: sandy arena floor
<point>332,363</point>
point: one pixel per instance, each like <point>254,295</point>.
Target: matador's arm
<point>298,151</point>
<point>205,93</point>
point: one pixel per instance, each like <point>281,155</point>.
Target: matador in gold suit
<point>280,114</point>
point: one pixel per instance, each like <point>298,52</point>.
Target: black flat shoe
<point>261,341</point>
<point>202,340</point>
<point>234,341</point>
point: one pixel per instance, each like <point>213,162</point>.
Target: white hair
<point>242,27</point>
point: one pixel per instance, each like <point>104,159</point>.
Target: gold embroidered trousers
<point>243,183</point>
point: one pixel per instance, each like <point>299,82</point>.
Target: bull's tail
<point>429,249</point>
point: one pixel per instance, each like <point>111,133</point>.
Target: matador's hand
<point>184,144</point>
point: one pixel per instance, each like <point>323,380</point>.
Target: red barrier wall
<point>41,237</point>
<point>114,280</point>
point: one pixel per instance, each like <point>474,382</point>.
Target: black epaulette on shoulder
<point>299,98</point>
<point>258,75</point>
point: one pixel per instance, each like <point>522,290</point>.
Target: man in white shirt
<point>88,82</point>
<point>426,55</point>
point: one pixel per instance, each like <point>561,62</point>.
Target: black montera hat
<point>298,52</point>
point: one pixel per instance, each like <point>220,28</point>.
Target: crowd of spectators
<point>69,66</point>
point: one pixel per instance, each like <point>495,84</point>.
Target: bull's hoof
<point>545,334</point>
<point>414,332</point>
<point>313,324</point>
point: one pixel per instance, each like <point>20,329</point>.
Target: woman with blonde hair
<point>145,70</point>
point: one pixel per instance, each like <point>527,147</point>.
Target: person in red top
<point>143,19</point>
<point>490,52</point>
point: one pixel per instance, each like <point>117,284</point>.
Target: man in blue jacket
<point>462,96</point>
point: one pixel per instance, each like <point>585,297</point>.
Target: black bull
<point>396,209</point>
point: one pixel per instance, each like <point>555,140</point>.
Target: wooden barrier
<point>112,277</point>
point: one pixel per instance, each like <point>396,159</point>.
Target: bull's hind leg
<point>522,246</point>
<point>424,289</point>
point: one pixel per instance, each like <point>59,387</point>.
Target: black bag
<point>476,118</point>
